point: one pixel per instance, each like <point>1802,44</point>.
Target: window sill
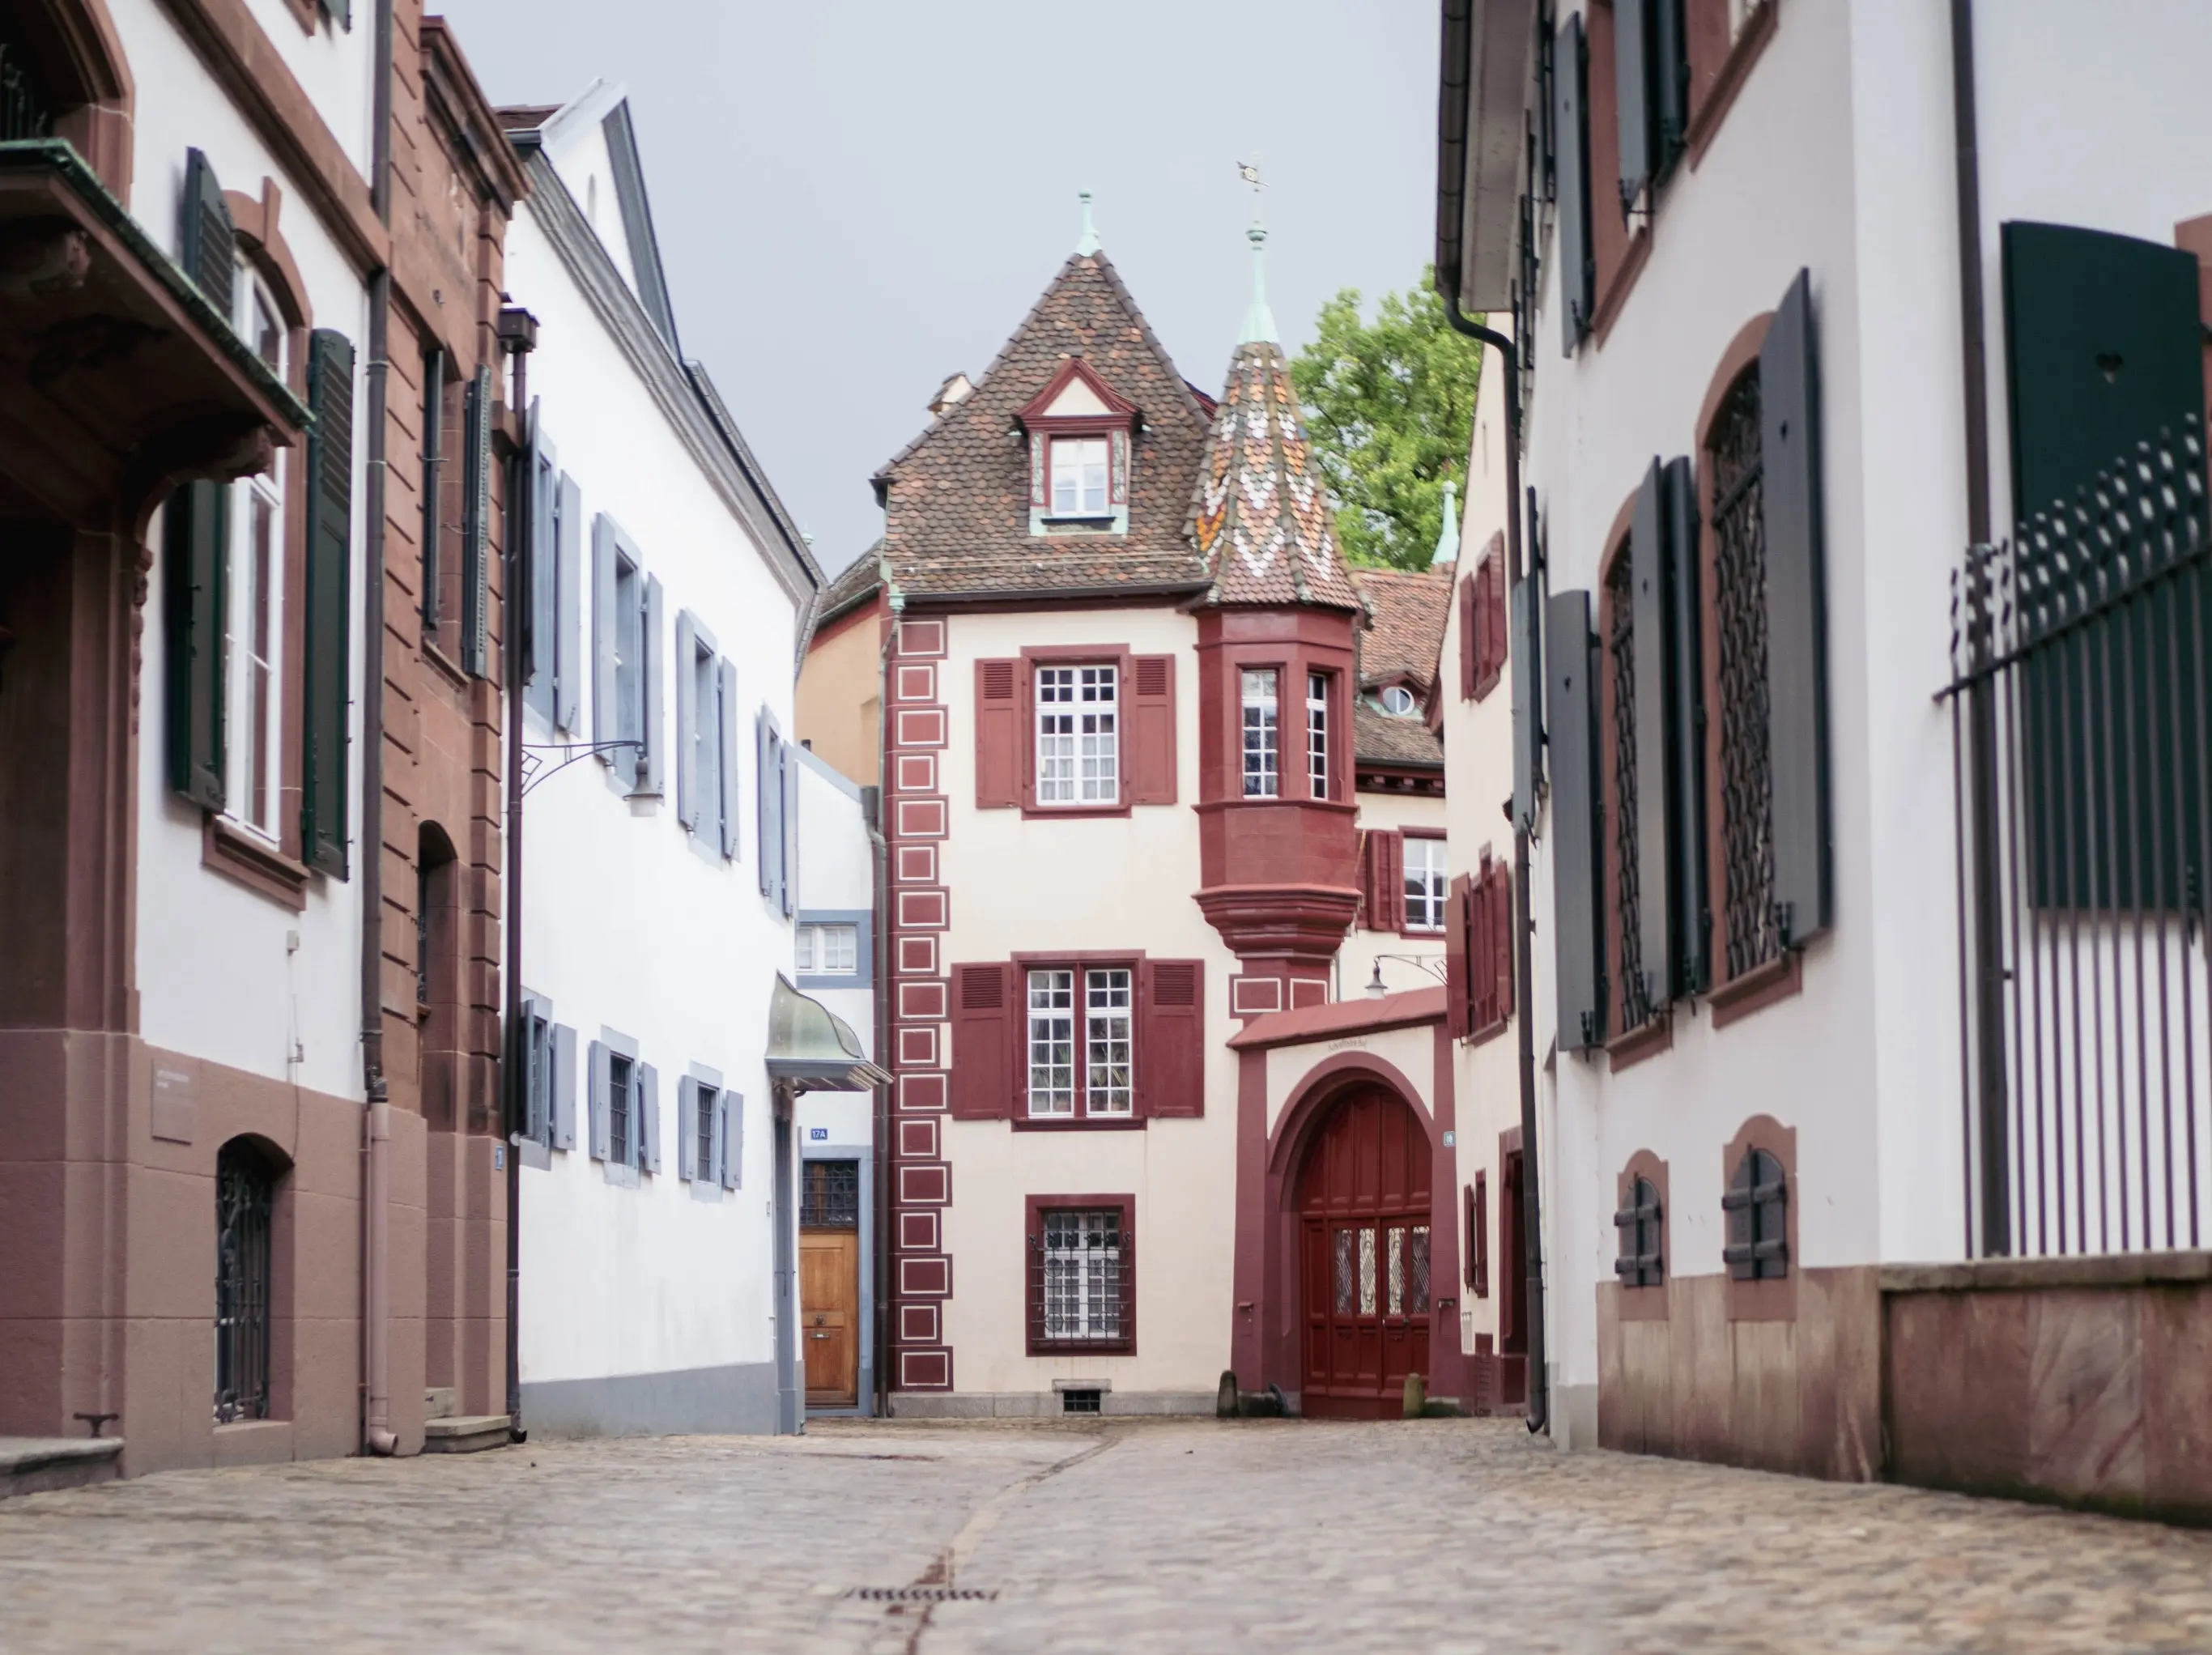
<point>1736,69</point>
<point>1082,1347</point>
<point>1760,987</point>
<point>1074,811</point>
<point>253,863</point>
<point>1102,524</point>
<point>1627,1050</point>
<point>1079,1123</point>
<point>1487,1033</point>
<point>438,659</point>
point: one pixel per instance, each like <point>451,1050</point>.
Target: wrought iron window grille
<point>829,1197</point>
<point>1635,1006</point>
<point>245,1206</point>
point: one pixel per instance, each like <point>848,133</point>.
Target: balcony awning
<point>117,377</point>
<point>812,1048</point>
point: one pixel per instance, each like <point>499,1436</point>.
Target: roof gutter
<point>1540,1389</point>
<point>1482,102</point>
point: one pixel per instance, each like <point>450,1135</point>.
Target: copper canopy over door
<point>1363,1196</point>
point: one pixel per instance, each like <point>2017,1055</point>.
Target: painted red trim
<point>1122,660</point>
<point>1034,1209</point>
<point>1362,1016</point>
<point>1075,367</point>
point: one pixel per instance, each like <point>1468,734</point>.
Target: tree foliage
<point>1389,408</point>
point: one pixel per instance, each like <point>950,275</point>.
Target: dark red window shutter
<point>1457,958</point>
<point>1171,1043</point>
<point>1470,636</point>
<point>997,735</point>
<point>984,1013</point>
<point>1389,850</point>
<point>1478,1235</point>
<point>1151,742</point>
<point>1486,622</point>
<point>1362,860</point>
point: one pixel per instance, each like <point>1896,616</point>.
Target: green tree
<point>1389,407</point>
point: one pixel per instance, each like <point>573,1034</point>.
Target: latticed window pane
<point>1317,733</point>
<point>1083,1275</point>
<point>539,1123</point>
<point>1621,661</point>
<point>1394,1254</point>
<point>1263,734</point>
<point>708,1097</point>
<point>618,1108</point>
<point>1367,1272</point>
<point>1417,1270</point>
<point>1106,1041</point>
<point>1079,736</point>
<point>1052,1043</point>
<point>829,1195</point>
<point>1753,928</point>
<point>1425,883</point>
<point>1079,476</point>
<point>1343,1260</point>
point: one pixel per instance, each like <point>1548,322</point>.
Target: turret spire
<point>1259,320</point>
<point>1447,552</point>
<point>1086,243</point>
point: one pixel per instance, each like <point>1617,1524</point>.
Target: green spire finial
<point>1259,320</point>
<point>1087,242</point>
<point>1447,552</point>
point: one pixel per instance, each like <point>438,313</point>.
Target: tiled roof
<point>1260,515</point>
<point>1408,630</point>
<point>855,583</point>
<point>1379,739</point>
<point>956,498</point>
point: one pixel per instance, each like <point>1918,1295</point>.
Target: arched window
<point>245,1205</point>
<point>1758,1208</point>
<point>1641,1262</point>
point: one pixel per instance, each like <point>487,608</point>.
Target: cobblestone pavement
<point>1173,1536</point>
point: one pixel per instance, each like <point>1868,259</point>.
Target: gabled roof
<point>854,585</point>
<point>1260,516</point>
<point>1075,371</point>
<point>1408,610</point>
<point>956,498</point>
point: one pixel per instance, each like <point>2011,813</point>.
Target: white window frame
<point>1079,736</point>
<point>1084,1071</point>
<point>254,787</point>
<point>624,1149</point>
<point>1317,733</point>
<point>1259,693</point>
<point>1075,462</point>
<point>828,948</point>
<point>1425,882</point>
<point>1084,1275</point>
<point>1048,993</point>
<point>1397,701</point>
<point>1109,1047</point>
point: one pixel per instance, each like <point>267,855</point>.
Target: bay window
<point>1317,733</point>
<point>1263,734</point>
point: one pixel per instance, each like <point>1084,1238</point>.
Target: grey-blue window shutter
<point>1576,831</point>
<point>475,527</point>
<point>564,1086</point>
<point>787,759</point>
<point>687,722</point>
<point>341,12</point>
<point>195,606</point>
<point>568,610</point>
<point>648,1113</point>
<point>209,243</point>
<point>1631,95</point>
<point>733,1106</point>
<point>731,756</point>
<point>1654,768</point>
<point>1525,660</point>
<point>326,669</point>
<point>1797,619</point>
<point>606,644</point>
<point>524,1059</point>
<point>541,642</point>
<point>768,810</point>
<point>655,670</point>
<point>601,1133</point>
<point>1570,130</point>
<point>687,1128</point>
<point>717,1122</point>
<point>1685,645</point>
<point>1670,83</point>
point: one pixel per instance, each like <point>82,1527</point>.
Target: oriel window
<point>1262,733</point>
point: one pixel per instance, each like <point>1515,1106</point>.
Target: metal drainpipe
<point>1532,1229</point>
<point>520,505</point>
<point>871,807</point>
<point>377,1435</point>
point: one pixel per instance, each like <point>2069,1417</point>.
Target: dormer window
<point>1081,435</point>
<point>1079,476</point>
<point>1398,700</point>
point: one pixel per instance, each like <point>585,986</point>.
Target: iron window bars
<point>2081,704</point>
<point>1758,1208</point>
<point>1639,1264</point>
<point>1635,1008</point>
<point>829,1195</point>
<point>1083,1301</point>
<point>245,1202</point>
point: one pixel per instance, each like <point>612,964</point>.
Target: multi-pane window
<point>706,1103</point>
<point>1398,700</point>
<point>1425,883</point>
<point>829,1195</point>
<point>621,1109</point>
<point>1078,736</point>
<point>257,576</point>
<point>828,950</point>
<point>1317,733</point>
<point>1083,1279</point>
<point>1097,1081</point>
<point>537,1077</point>
<point>1262,733</point>
<point>1079,476</point>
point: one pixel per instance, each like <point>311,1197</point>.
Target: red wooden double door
<point>1363,1208</point>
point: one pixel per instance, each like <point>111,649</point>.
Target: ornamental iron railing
<point>1634,1004</point>
<point>2080,706</point>
<point>245,1201</point>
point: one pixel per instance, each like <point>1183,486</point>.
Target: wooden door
<point>1363,1202</point>
<point>830,1315</point>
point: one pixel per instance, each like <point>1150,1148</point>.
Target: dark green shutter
<point>476,528</point>
<point>1570,652</point>
<point>195,606</point>
<point>341,12</point>
<point>1527,715</point>
<point>1797,622</point>
<point>1570,133</point>
<point>1656,815</point>
<point>1670,83</point>
<point>1631,95</point>
<point>1692,960</point>
<point>210,240</point>
<point>540,538</point>
<point>327,668</point>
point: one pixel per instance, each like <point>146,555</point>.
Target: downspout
<point>521,507</point>
<point>871,810</point>
<point>1532,1229</point>
<point>1995,1236</point>
<point>377,1435</point>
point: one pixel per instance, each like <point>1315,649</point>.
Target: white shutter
<point>687,1129</point>
<point>731,1137</point>
<point>598,1096</point>
<point>648,1112</point>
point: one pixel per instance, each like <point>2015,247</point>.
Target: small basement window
<point>1078,1402</point>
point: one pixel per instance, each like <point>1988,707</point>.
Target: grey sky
<point>856,198</point>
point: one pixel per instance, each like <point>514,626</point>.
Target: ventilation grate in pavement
<point>920,1594</point>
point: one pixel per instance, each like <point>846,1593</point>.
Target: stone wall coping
<point>2073,1270</point>
<point>19,1454</point>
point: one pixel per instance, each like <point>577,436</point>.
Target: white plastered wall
<point>1356,960</point>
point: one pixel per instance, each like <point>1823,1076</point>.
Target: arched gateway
<point>1363,1204</point>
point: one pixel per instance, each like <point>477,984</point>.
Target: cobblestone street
<point>1444,1536</point>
